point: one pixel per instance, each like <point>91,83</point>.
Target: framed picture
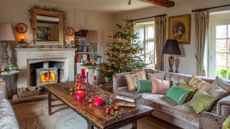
<point>43,33</point>
<point>179,28</point>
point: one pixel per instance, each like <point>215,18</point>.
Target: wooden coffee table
<point>95,116</point>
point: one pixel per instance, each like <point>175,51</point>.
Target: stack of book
<point>127,99</point>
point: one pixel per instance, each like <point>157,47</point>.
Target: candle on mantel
<point>87,81</point>
<point>82,72</point>
<point>80,95</point>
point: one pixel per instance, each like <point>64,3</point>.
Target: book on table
<point>128,97</point>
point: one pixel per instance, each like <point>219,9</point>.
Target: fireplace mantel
<point>27,55</point>
<point>45,49</point>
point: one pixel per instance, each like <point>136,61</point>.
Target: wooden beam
<point>164,3</point>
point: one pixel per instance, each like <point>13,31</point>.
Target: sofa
<point>7,116</point>
<point>182,116</point>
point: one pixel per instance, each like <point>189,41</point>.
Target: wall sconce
<point>21,28</point>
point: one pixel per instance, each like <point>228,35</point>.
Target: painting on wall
<point>43,33</point>
<point>179,28</point>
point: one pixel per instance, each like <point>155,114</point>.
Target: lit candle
<point>80,95</point>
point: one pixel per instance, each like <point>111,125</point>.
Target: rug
<point>34,115</point>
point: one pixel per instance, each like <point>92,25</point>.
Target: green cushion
<point>144,86</point>
<point>189,88</point>
<point>177,94</point>
<point>201,101</point>
<point>226,123</point>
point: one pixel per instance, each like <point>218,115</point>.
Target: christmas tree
<point>123,52</point>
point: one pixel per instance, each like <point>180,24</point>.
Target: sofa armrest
<point>2,89</point>
<point>223,107</point>
<point>208,120</point>
<point>119,81</point>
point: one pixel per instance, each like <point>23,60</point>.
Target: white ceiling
<point>110,6</point>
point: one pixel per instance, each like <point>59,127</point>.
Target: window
<point>145,33</point>
<point>219,52</point>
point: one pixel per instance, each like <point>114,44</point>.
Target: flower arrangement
<point>90,64</point>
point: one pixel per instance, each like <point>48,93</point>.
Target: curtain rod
<point>147,17</point>
<point>198,10</point>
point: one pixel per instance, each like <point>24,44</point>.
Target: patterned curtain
<point>201,20</point>
<point>160,36</point>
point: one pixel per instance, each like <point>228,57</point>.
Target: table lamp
<point>6,36</point>
<point>171,47</point>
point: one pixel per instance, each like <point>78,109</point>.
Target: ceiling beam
<point>164,3</point>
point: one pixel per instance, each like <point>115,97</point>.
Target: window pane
<point>221,31</point>
<point>149,46</point>
<point>222,72</point>
<point>221,46</point>
<point>221,59</point>
<point>228,31</point>
<point>150,32</point>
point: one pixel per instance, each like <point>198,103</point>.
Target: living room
<point>66,64</point>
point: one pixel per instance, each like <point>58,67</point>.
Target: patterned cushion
<point>160,86</point>
<point>226,124</point>
<point>224,84</point>
<point>198,83</point>
<point>132,79</point>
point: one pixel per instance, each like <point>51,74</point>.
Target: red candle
<point>83,73</point>
<point>98,101</point>
<point>80,95</point>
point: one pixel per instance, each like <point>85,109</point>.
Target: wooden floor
<point>34,114</point>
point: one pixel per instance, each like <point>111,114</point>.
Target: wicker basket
<point>28,92</point>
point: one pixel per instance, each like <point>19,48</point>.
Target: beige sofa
<point>180,115</point>
<point>7,116</point>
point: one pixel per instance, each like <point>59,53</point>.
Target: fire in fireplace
<point>46,76</point>
<point>46,72</point>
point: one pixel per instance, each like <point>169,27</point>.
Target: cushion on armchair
<point>226,123</point>
<point>198,83</point>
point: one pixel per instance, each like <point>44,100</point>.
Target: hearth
<point>46,72</point>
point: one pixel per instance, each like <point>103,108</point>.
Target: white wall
<point>17,11</point>
<point>188,62</point>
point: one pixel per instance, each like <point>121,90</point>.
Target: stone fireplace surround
<point>25,56</point>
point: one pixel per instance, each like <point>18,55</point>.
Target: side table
<point>10,79</point>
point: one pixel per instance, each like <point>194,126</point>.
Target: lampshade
<point>172,47</point>
<point>6,32</point>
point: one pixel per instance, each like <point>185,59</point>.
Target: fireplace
<point>46,76</point>
<point>30,59</point>
<point>43,72</point>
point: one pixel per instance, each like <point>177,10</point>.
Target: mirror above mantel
<point>47,26</point>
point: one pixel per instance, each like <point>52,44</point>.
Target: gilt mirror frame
<point>38,11</point>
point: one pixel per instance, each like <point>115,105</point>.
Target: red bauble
<point>98,101</point>
<point>80,95</point>
<point>107,110</point>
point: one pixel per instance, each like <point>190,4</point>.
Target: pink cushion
<point>160,86</point>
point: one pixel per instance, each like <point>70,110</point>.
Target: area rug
<point>34,115</point>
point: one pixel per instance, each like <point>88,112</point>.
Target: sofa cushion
<point>177,94</point>
<point>144,86</point>
<point>160,86</point>
<point>224,84</point>
<point>7,117</point>
<point>188,87</point>
<point>198,83</point>
<point>201,101</point>
<point>132,79</point>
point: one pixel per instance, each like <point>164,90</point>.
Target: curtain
<point>160,36</point>
<point>201,20</point>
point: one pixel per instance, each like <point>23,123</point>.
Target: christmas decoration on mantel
<point>123,52</point>
<point>164,3</point>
